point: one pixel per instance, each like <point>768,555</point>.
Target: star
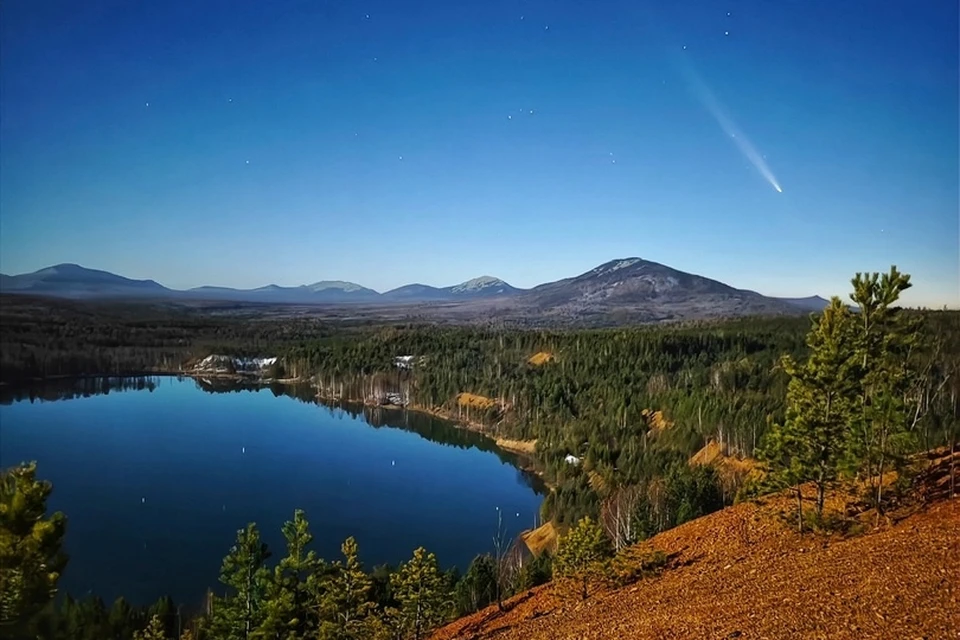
<point>546,27</point>
<point>229,99</point>
<point>401,157</point>
<point>509,117</point>
<point>367,16</point>
<point>248,162</point>
<point>531,111</point>
<point>148,104</point>
<point>521,17</point>
<point>684,47</point>
<point>726,33</point>
<point>728,13</point>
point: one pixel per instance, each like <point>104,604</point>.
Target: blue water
<point>155,483</point>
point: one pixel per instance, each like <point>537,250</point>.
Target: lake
<point>157,477</point>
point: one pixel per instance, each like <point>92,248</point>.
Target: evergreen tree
<point>31,559</point>
<point>345,606</point>
<point>810,443</point>
<point>237,616</point>
<point>418,587</point>
<point>478,587</point>
<point>153,631</point>
<point>583,555</point>
<point>890,398</point>
<point>286,609</point>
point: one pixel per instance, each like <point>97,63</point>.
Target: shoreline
<point>520,448</point>
<point>523,450</point>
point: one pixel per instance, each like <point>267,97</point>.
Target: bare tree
<point>501,552</point>
<point>618,515</point>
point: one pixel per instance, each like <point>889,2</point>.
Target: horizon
<point>779,149</point>
<point>824,296</point>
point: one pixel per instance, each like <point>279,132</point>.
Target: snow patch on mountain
<point>479,284</point>
<point>616,265</point>
<point>323,285</point>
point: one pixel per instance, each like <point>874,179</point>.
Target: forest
<point>636,430</point>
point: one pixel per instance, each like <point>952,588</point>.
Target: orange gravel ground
<point>744,573</point>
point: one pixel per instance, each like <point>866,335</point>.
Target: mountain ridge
<point>647,290</point>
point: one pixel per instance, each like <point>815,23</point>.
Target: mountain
<point>74,281</point>
<point>323,292</point>
<point>482,287</point>
<point>628,290</point>
<point>810,303</point>
<point>649,291</point>
<point>416,293</point>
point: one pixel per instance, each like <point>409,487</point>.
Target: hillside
<point>743,573</point>
<point>648,292</point>
<point>74,281</point>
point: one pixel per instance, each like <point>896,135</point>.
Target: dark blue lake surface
<point>156,482</point>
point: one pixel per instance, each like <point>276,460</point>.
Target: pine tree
<point>31,559</point>
<point>478,587</point>
<point>890,406</point>
<point>286,607</point>
<point>583,555</point>
<point>810,443</point>
<point>345,606</point>
<point>236,617</point>
<point>153,631</point>
<point>418,587</point>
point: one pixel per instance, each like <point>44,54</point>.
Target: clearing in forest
<point>541,357</point>
<point>526,447</point>
<point>475,401</point>
<point>543,538</point>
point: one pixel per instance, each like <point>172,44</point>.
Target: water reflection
<point>429,427</point>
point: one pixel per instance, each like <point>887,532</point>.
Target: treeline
<point>298,596</point>
<point>45,338</point>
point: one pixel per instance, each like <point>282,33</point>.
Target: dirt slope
<point>742,573</point>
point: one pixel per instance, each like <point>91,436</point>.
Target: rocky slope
<point>742,573</point>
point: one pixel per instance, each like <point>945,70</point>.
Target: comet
<point>713,106</point>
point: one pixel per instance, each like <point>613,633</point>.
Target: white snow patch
<point>477,284</point>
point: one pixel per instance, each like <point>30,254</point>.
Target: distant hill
<point>626,290</point>
<point>323,292</point>
<point>74,281</point>
<point>482,287</point>
<point>416,293</point>
<point>810,303</point>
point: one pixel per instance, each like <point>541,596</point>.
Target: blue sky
<point>245,143</point>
